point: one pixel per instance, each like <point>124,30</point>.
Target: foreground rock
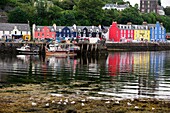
<point>35,99</point>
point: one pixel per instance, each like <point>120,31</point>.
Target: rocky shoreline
<point>35,98</point>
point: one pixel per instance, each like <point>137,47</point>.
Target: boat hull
<point>60,53</point>
<point>27,52</point>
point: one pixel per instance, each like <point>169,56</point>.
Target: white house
<point>115,6</point>
<point>13,30</point>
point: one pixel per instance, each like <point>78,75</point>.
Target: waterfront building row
<point>116,32</point>
<point>66,32</point>
<point>130,32</point>
<point>14,31</point>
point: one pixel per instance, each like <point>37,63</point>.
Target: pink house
<point>44,32</point>
<point>121,33</point>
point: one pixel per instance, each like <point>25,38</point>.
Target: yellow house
<point>26,37</point>
<point>141,32</point>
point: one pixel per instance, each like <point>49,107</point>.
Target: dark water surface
<point>120,74</point>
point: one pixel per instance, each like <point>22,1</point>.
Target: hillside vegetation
<point>79,12</point>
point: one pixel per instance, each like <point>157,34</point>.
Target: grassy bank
<point>38,99</point>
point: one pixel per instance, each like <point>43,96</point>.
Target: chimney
<point>129,23</point>
<point>55,27</point>
<point>144,23</point>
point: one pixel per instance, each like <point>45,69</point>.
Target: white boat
<point>62,50</point>
<point>26,49</point>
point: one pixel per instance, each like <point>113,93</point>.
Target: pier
<point>85,48</point>
<point>143,46</point>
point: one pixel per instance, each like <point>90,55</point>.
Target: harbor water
<point>120,75</point>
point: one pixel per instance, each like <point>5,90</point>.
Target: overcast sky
<point>164,2</point>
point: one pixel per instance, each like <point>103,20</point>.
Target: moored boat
<point>61,50</point>
<point>26,49</point>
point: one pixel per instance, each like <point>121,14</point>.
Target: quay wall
<point>138,46</point>
<point>10,47</point>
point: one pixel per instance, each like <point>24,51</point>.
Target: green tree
<point>159,2</point>
<point>130,15</point>
<point>18,16</point>
<point>90,10</point>
<point>167,11</point>
<point>3,3</point>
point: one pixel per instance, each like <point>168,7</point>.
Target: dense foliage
<point>79,12</point>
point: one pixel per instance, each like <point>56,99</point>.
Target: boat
<point>26,49</point>
<point>61,50</point>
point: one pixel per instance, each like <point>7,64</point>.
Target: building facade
<point>157,32</point>
<point>44,32</point>
<point>121,33</point>
<point>115,6</point>
<point>147,6</point>
<point>128,33</point>
<point>14,31</point>
<point>141,33</point>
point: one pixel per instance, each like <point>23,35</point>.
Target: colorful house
<point>121,33</point>
<point>65,33</point>
<point>114,32</point>
<point>14,31</point>
<point>141,32</point>
<point>157,32</point>
<point>44,32</point>
<point>126,32</point>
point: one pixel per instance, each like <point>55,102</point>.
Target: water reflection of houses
<point>120,63</point>
<point>148,66</point>
<point>145,67</point>
<point>57,64</point>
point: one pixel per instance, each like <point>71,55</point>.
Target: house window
<point>15,32</point>
<point>42,34</point>
<point>67,31</point>
<point>38,34</point>
<point>21,32</point>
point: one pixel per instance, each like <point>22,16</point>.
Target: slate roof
<point>10,26</point>
<point>41,27</point>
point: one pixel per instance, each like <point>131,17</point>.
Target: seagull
<point>107,102</point>
<point>73,102</point>
<point>66,100</point>
<point>117,102</point>
<point>65,103</point>
<point>83,100</point>
<point>129,104</point>
<point>136,107</point>
<point>34,104</point>
<point>47,104</point>
<point>59,102</point>
<point>53,101</point>
<point>82,104</point>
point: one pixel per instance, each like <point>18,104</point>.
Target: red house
<point>114,32</point>
<point>44,32</point>
<point>121,33</point>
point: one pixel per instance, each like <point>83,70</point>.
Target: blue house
<point>157,32</point>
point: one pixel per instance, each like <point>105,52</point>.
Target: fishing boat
<point>26,49</point>
<point>61,50</point>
